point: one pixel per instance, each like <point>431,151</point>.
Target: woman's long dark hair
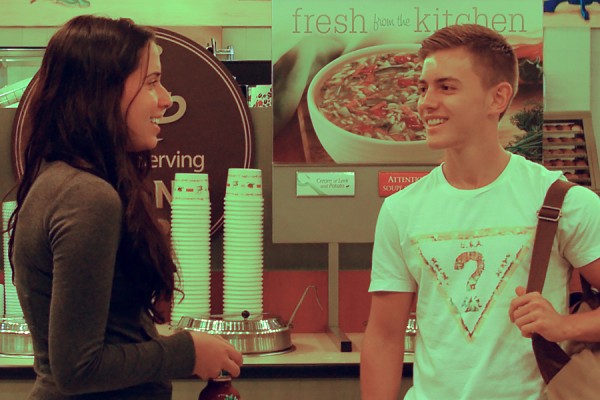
<point>76,118</point>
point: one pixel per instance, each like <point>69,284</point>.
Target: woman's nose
<point>165,99</point>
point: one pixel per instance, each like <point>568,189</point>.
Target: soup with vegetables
<point>375,96</point>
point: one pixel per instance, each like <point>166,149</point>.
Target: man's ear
<point>502,95</point>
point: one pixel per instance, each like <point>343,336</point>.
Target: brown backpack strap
<point>548,217</point>
<point>549,355</point>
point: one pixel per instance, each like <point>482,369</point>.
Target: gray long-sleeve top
<point>92,339</point>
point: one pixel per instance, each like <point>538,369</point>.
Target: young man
<point>460,240</point>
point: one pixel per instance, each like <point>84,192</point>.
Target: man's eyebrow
<point>441,80</point>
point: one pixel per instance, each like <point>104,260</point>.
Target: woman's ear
<point>502,95</point>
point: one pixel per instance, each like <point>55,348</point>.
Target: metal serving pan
<point>265,334</point>
<point>15,338</point>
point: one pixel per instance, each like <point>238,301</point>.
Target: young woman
<point>91,265</point>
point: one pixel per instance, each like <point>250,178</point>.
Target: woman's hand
<point>532,313</point>
<point>214,354</point>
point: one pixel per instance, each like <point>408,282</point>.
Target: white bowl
<point>347,147</point>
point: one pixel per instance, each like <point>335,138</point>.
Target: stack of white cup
<point>190,239</point>
<point>11,301</point>
<point>2,311</point>
<point>243,243</point>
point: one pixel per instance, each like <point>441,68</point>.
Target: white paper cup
<point>236,202</point>
<point>189,204</point>
<point>243,233</point>
<point>244,207</point>
<point>191,248</point>
<point>240,303</point>
<point>189,215</point>
<point>243,211</point>
<point>237,308</point>
<point>248,257</point>
<point>244,183</point>
<point>190,186</point>
<point>245,219</point>
<point>181,235</point>
<point>231,247</point>
<point>190,242</point>
<point>242,270</point>
<point>253,284</point>
<point>193,263</point>
<point>195,226</point>
<point>234,238</point>
<point>192,231</point>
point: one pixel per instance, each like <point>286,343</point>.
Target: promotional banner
<point>37,13</point>
<point>207,130</point>
<point>345,77</point>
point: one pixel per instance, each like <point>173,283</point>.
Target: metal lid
<point>251,335</point>
<point>13,324</point>
<point>15,338</point>
<point>226,325</point>
<point>411,327</point>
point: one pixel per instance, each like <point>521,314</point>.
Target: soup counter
<point>314,369</point>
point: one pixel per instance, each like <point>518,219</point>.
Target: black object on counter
<point>251,72</point>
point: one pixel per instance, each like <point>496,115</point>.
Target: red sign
<point>391,182</point>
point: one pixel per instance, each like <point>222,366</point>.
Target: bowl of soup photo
<point>363,107</point>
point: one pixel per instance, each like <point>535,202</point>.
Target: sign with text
<point>392,182</point>
<point>323,184</point>
<point>207,130</point>
<point>192,13</point>
<point>345,77</point>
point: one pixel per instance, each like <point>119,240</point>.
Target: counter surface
<point>315,351</point>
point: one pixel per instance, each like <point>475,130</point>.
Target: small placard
<point>316,184</point>
<point>392,182</point>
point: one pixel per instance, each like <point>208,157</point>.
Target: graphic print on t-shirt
<point>471,266</point>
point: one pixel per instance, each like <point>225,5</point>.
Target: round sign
<point>208,129</point>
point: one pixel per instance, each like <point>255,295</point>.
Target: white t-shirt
<point>464,252</point>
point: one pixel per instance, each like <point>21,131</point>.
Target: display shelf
<point>17,67</point>
<point>569,146</point>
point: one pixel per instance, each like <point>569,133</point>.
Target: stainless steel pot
<point>265,334</point>
<point>15,338</point>
<point>411,333</point>
<point>250,334</point>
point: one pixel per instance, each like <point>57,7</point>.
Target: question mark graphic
<point>463,258</point>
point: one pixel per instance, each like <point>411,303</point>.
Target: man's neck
<point>474,168</point>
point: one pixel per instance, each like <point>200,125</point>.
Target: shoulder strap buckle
<point>548,213</point>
